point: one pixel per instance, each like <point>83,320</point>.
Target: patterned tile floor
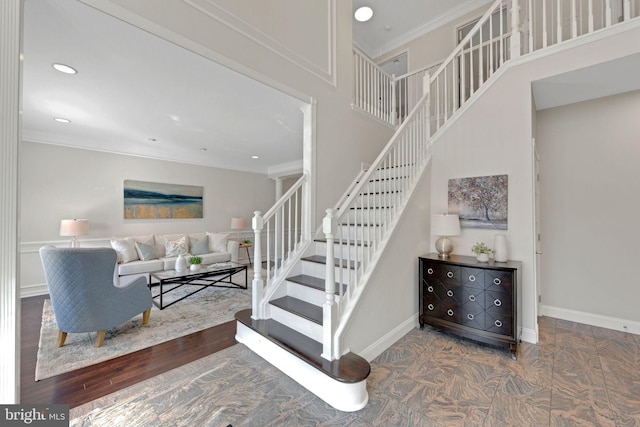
<point>577,375</point>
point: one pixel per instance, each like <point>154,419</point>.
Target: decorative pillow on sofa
<point>125,249</point>
<point>199,246</point>
<point>218,242</point>
<point>146,250</point>
<point>176,247</point>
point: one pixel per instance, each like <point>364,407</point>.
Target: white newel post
<point>426,82</point>
<point>257,285</point>
<point>515,29</point>
<point>330,309</point>
<point>626,10</point>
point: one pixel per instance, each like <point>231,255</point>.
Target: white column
<point>278,188</point>
<point>10,50</point>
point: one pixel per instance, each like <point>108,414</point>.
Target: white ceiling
<point>133,87</point>
<point>396,22</point>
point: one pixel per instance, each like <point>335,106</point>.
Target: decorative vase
<point>483,257</point>
<point>195,267</point>
<point>500,248</point>
<point>181,263</point>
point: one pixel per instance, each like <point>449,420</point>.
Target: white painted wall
<point>60,182</point>
<point>590,184</point>
<point>239,36</point>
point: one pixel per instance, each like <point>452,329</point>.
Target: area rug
<point>210,307</point>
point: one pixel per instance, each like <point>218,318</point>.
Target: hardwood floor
<point>84,385</point>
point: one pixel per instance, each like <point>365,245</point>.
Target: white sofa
<point>146,254</point>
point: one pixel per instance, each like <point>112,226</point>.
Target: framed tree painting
<point>480,202</point>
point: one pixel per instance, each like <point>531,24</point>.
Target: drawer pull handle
<point>430,270</point>
<point>498,323</point>
<point>449,274</point>
<point>497,303</point>
<point>430,307</point>
<point>470,316</point>
<point>430,288</point>
<point>450,312</point>
<point>450,293</point>
<point>472,278</point>
<point>472,297</point>
<point>497,281</point>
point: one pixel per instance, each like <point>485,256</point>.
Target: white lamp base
<point>444,246</point>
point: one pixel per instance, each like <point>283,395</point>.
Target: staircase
<point>310,285</point>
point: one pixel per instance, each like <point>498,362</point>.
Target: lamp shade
<point>74,227</point>
<point>445,225</point>
<point>238,224</point>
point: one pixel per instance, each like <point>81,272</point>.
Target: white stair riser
<point>372,215</point>
<point>358,233</point>
<point>348,397</point>
<point>342,251</point>
<point>377,200</point>
<point>306,294</point>
<point>385,185</point>
<point>386,173</point>
<point>318,270</point>
<point>297,323</point>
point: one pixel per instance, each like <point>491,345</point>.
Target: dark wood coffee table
<point>213,275</point>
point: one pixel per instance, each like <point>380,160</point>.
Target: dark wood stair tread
<point>312,282</point>
<point>350,368</point>
<point>321,259</point>
<point>300,308</point>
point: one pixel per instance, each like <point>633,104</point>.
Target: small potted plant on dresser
<point>482,251</point>
<point>194,263</point>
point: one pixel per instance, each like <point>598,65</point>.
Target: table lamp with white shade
<point>74,228</point>
<point>238,224</point>
<point>445,225</point>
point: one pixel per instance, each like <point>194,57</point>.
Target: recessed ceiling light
<point>65,69</point>
<point>255,157</point>
<point>61,120</point>
<point>363,14</point>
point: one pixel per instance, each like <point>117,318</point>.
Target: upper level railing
<point>285,228</point>
<point>372,88</point>
<point>508,29</point>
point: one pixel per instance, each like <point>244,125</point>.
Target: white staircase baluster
<point>515,30</point>
<point>590,6</point>
<point>608,14</point>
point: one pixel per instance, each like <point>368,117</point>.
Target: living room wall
<point>590,184</point>
<point>60,182</point>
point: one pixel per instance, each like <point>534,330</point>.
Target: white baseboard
<point>33,290</point>
<point>386,341</point>
<point>592,319</point>
<point>529,335</point>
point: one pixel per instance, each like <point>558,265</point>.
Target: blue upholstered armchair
<point>83,293</point>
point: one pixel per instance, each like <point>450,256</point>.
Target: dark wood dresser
<point>476,300</point>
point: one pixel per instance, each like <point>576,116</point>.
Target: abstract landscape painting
<point>480,202</point>
<point>152,200</point>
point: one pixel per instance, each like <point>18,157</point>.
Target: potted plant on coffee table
<point>194,263</point>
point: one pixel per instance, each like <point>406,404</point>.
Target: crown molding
<point>236,23</point>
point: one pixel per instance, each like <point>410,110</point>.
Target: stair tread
<point>321,259</point>
<point>300,308</point>
<point>311,282</point>
<point>350,368</point>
